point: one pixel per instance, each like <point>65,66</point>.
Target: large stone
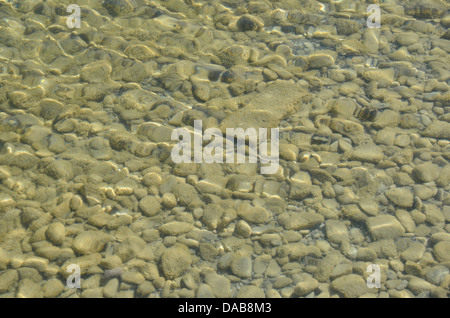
<point>336,231</point>
<point>149,205</point>
<point>175,228</point>
<point>241,264</point>
<point>384,227</point>
<point>402,197</point>
<point>175,261</point>
<point>90,242</point>
<point>442,251</point>
<point>56,233</point>
<point>306,285</point>
<point>219,284</point>
<point>255,214</point>
<point>351,286</point>
<point>367,153</point>
<point>438,129</point>
<point>426,172</point>
<point>300,220</point>
<point>7,280</point>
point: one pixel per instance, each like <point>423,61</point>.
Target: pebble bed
<point>86,175</point>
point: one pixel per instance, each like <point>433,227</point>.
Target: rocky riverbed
<point>87,178</point>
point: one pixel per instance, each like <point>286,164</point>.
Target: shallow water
<point>96,200</point>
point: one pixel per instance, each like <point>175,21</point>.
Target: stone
<point>434,215</point>
<point>351,286</point>
<point>255,214</point>
<point>250,291</point>
<point>436,274</point>
<point>52,288</point>
<point>149,205</point>
<point>426,172</point>
<point>28,289</point>
<point>336,231</point>
<point>140,52</point>
<point>418,285</point>
<point>175,261</point>
<point>300,220</point>
<point>130,247</point>
<point>186,194</point>
<point>241,265</point>
<point>204,291</point>
<point>437,129</point>
<point>406,220</point>
<point>219,284</point>
<point>111,288</point>
<point>96,72</point>
<point>367,153</point>
<point>8,279</point>
<point>306,285</point>
<point>60,169</point>
<point>175,228</point>
<point>118,7</point>
<point>208,252</point>
<point>56,233</point>
<point>145,289</point>
<point>90,242</point>
<point>441,251</point>
<point>243,229</point>
<point>132,278</point>
<point>320,60</point>
<point>384,227</point>
<point>50,108</point>
<point>402,197</point>
<point>414,252</point>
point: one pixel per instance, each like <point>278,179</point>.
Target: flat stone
<point>300,220</point>
<point>132,278</point>
<point>384,227</point>
<point>367,153</point>
<point>255,214</point>
<point>175,228</point>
